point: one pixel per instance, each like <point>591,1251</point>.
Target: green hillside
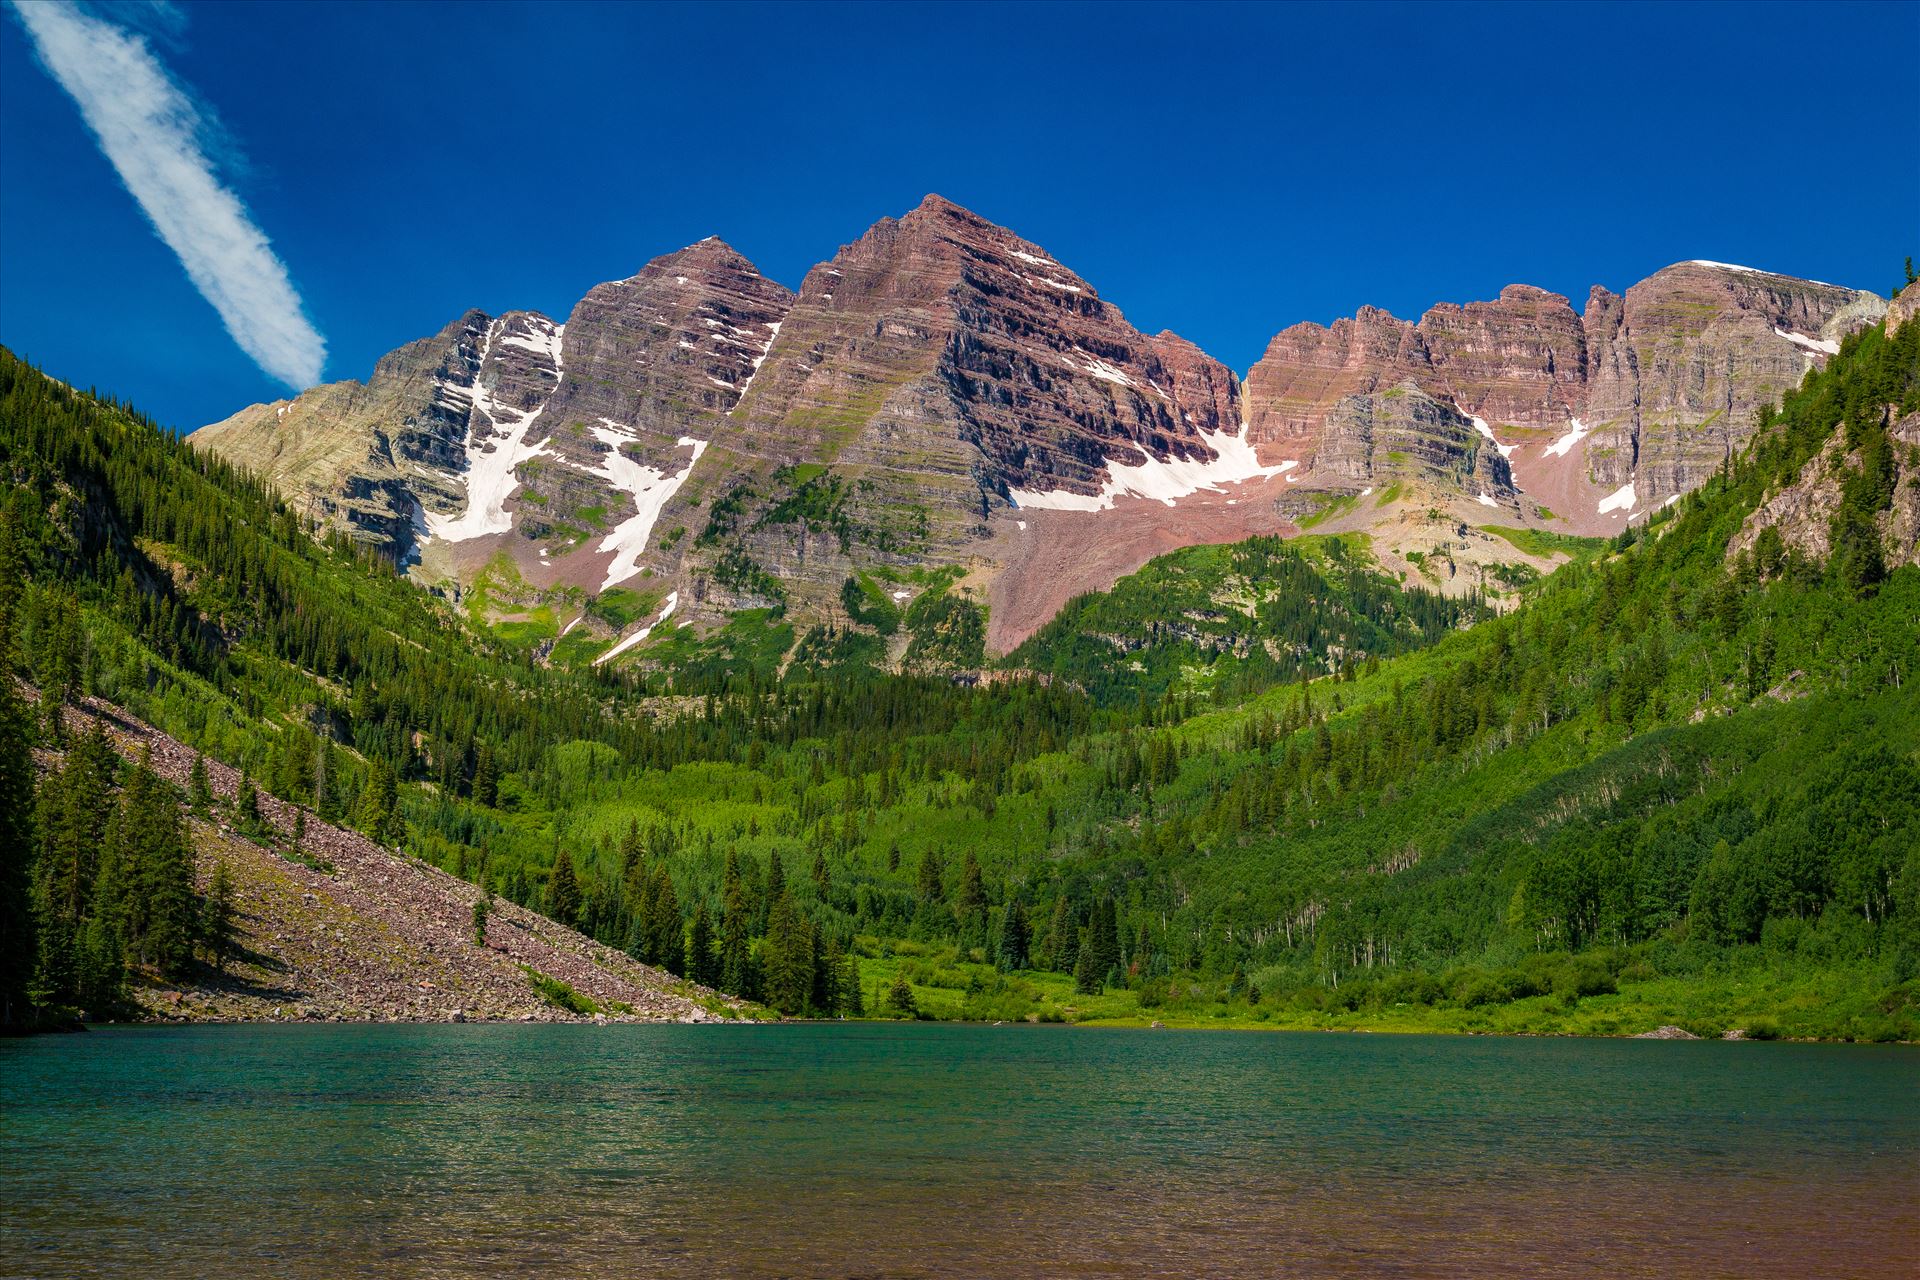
<point>1263,786</point>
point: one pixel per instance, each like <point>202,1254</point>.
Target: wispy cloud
<point>155,136</point>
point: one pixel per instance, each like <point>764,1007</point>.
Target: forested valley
<point>1673,786</point>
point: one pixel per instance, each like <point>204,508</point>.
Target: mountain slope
<point>945,395</point>
<point>336,927</point>
<point>1648,392</point>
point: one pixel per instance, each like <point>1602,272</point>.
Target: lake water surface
<point>882,1150</point>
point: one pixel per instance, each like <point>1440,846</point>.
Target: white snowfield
<point>651,489</point>
<point>1486,500</point>
<point>1480,425</point>
<point>1576,432</point>
<point>666,611</point>
<point>1620,499</point>
<point>1027,258</point>
<point>1824,346</point>
<point>1234,460</point>
<point>496,438</point>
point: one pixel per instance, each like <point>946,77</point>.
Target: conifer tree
<point>930,883</point>
<point>970,909</point>
<point>246,807</point>
<point>669,928</point>
<point>639,895</point>
<point>776,887</point>
<point>700,962</point>
<point>199,791</point>
<point>219,923</point>
<point>17,946</point>
<point>786,956</point>
<point>851,1001</point>
<point>379,804</point>
<point>563,890</point>
<point>827,964</point>
<point>1104,938</point>
<point>160,908</point>
<point>1015,939</point>
<point>486,777</point>
<point>736,974</point>
<point>482,911</point>
<point>900,996</point>
<point>1063,937</point>
<point>1086,980</point>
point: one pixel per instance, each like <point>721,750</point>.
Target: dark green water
<point>946,1150</point>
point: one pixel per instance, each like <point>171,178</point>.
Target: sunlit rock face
<point>945,393</point>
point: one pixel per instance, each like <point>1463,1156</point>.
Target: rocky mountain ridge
<point>944,407</point>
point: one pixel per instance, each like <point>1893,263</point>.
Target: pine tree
<point>17,945</point>
<point>482,910</point>
<point>1015,938</point>
<point>1104,937</point>
<point>160,908</point>
<point>929,885</point>
<point>851,1001</point>
<point>246,808</point>
<point>700,961</point>
<point>669,927</point>
<point>1063,937</point>
<point>639,899</point>
<point>1086,980</point>
<point>379,813</point>
<point>563,890</point>
<point>199,791</point>
<point>785,953</point>
<point>970,909</point>
<point>900,996</point>
<point>219,920</point>
<point>736,973</point>
<point>776,877</point>
<point>486,777</point>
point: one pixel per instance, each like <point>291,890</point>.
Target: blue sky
<point>1219,171</point>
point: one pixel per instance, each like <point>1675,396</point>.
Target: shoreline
<point>559,1018</point>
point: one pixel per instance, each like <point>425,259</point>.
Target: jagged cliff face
<point>1603,415</point>
<point>944,393</point>
<point>944,372</point>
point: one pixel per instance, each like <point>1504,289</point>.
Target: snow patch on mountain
<point>496,438</point>
<point>650,488</point>
<point>1234,461</point>
<point>1821,345</point>
<point>673,601</point>
<point>1620,499</point>
<point>1480,425</point>
<point>1576,432</point>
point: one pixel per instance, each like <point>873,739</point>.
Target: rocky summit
<point>945,408</point>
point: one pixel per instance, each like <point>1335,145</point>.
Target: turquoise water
<point>881,1150</point>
